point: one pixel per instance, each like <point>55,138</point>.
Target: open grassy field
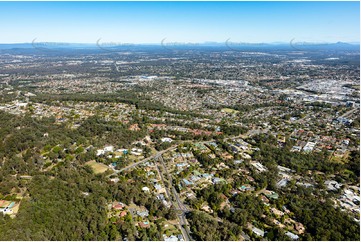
<point>229,110</point>
<point>170,229</point>
<point>97,167</point>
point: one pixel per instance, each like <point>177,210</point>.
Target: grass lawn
<point>97,167</point>
<point>171,229</point>
<point>16,208</point>
<point>340,159</point>
<point>229,110</point>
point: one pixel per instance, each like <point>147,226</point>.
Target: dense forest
<point>58,208</point>
<point>55,207</point>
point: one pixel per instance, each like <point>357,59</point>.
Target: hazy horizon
<point>185,43</point>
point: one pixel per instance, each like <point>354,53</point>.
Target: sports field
<point>97,167</point>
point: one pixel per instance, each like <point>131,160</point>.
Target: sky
<point>179,22</point>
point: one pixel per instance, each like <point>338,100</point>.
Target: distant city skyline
<point>179,22</point>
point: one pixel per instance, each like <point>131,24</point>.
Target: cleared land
<point>229,110</point>
<point>97,167</point>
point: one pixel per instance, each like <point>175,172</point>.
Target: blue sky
<point>150,22</point>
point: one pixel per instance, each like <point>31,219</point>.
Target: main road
<point>158,154</point>
<point>348,113</point>
<point>183,225</point>
<point>181,208</point>
<point>155,156</point>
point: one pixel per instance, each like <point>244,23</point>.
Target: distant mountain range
<point>228,44</point>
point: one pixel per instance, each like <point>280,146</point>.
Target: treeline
<point>127,97</point>
<point>191,125</point>
<point>159,133</point>
<point>270,153</point>
<point>320,217</point>
<point>233,129</point>
<point>109,132</point>
<point>24,132</point>
<point>246,108</point>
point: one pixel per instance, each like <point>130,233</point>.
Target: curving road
<point>180,207</point>
<point>158,154</point>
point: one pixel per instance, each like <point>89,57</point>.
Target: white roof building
<point>332,185</point>
<point>309,146</point>
<point>166,139</point>
<point>292,236</point>
<point>109,148</point>
<point>145,189</point>
<point>100,152</point>
<point>170,238</point>
<point>258,231</point>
